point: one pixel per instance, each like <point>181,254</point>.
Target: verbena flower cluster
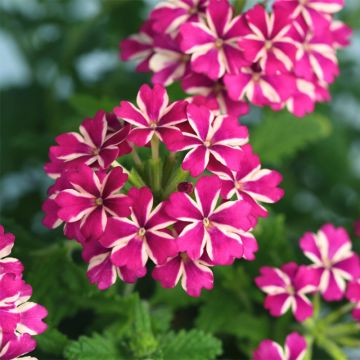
<point>282,58</point>
<point>334,273</point>
<point>20,319</point>
<point>190,231</point>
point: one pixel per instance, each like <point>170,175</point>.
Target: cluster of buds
<point>125,218</point>
<point>282,58</point>
<point>334,273</point>
<point>20,319</point>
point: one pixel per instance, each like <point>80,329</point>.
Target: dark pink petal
<point>101,271</point>
<point>295,346</point>
<point>250,246</point>
<point>268,350</point>
<point>18,345</point>
<point>181,207</point>
<point>31,316</point>
<point>116,231</point>
<point>118,205</point>
<point>236,85</point>
<point>130,114</point>
<point>169,273</point>
<point>161,245</point>
<point>93,225</point>
<point>196,277</point>
<point>196,160</point>
<point>141,136</point>
<point>353,291</point>
<point>195,35</point>
<point>229,156</point>
<point>350,265</point>
<point>85,178</point>
<point>209,63</point>
<point>175,114</point>
<point>95,129</point>
<point>270,277</point>
<point>277,304</point>
<point>334,289</point>
<point>142,204</point>
<point>200,119</point>
<point>306,280</point>
<point>303,308</point>
<point>219,14</point>
<point>207,191</point>
<point>257,17</point>
<point>192,240</point>
<point>114,181</point>
<point>309,247</point>
<point>338,239</point>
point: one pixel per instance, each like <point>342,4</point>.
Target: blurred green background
<point>58,64</point>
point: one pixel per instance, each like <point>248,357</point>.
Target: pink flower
<point>268,40</point>
<point>169,15</point>
<point>19,318</point>
<point>316,56</point>
<point>287,288</point>
<point>8,264</point>
<point>250,183</point>
<point>154,115</point>
<point>198,84</point>
<point>295,349</point>
<point>219,137</point>
<point>341,34</point>
<point>334,262</point>
<point>210,228</point>
<point>139,47</point>
<point>259,87</point>
<point>97,146</point>
<point>168,62</point>
<point>213,44</point>
<point>133,241</point>
<point>353,295</point>
<point>314,12</point>
<point>194,274</point>
<point>92,198</point>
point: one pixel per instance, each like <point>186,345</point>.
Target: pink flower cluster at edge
<point>282,59</point>
<point>20,319</point>
<point>202,225</point>
<point>334,273</point>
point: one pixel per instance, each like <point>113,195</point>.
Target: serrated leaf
<point>281,135</point>
<point>95,347</point>
<point>192,345</point>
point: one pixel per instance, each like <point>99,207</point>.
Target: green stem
<point>136,158</point>
<point>155,147</point>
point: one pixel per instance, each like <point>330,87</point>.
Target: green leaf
<point>331,348</point>
<point>281,135</point>
<point>87,105</point>
<point>192,345</point>
<point>92,348</point>
<point>52,341</point>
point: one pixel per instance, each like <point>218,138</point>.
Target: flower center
<point>303,2</point>
<point>239,185</point>
<point>290,290</point>
<point>327,264</point>
<point>207,143</point>
<point>141,232</point>
<point>256,77</point>
<point>218,87</point>
<point>153,125</point>
<point>99,202</point>
<point>206,222</point>
<point>96,151</point>
<point>268,44</point>
<point>184,257</point>
<point>219,43</point>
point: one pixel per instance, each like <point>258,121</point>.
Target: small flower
<point>194,274</point>
<point>341,34</point>
<point>334,262</point>
<point>269,40</point>
<point>133,241</point>
<point>169,15</point>
<point>259,87</point>
<point>12,346</point>
<point>198,84</point>
<point>287,288</point>
<point>139,47</point>
<point>213,44</point>
<point>219,137</point>
<point>295,349</point>
<point>96,146</point>
<point>210,228</point>
<point>154,115</point>
<point>250,183</point>
<point>353,295</point>
<point>92,198</point>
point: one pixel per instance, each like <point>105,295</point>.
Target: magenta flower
<point>287,288</point>
<point>295,349</point>
<point>314,12</point>
<point>334,262</point>
<point>97,146</point>
<point>213,44</point>
<point>316,55</point>
<point>219,137</point>
<point>168,63</point>
<point>92,198</point>
<point>269,41</point>
<point>139,47</point>
<point>211,229</point>
<point>250,183</point>
<point>133,241</point>
<point>341,34</point>
<point>169,15</point>
<point>353,295</point>
<point>19,318</point>
<point>258,87</point>
<point>198,84</point>
<point>154,115</point>
<point>194,274</point>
